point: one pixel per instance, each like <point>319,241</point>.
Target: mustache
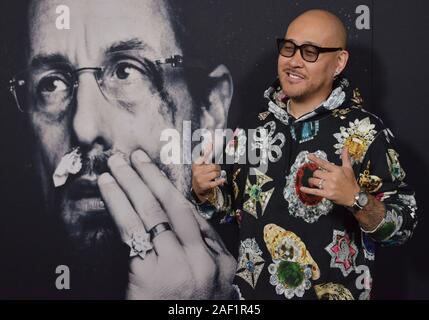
<point>95,164</point>
<point>294,71</point>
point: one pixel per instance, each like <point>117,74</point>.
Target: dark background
<point>399,96</point>
<point>388,63</point>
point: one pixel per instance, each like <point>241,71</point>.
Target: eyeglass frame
<point>176,60</point>
<point>301,49</point>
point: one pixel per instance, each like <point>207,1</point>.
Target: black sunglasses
<point>309,52</point>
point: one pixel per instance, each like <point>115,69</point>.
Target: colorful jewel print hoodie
<point>296,246</point>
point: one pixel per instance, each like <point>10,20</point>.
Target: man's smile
<point>294,76</point>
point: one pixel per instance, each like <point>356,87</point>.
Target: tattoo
<point>372,214</point>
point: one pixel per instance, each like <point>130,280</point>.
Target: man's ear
<point>343,58</point>
<point>214,115</point>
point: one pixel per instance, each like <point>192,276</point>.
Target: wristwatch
<point>361,200</point>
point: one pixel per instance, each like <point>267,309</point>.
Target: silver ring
<point>321,184</point>
<point>139,244</point>
<point>222,175</point>
<point>158,229</point>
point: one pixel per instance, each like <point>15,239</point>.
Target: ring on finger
<point>221,175</point>
<point>158,229</point>
<point>140,244</point>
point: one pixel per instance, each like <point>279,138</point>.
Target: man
<point>97,98</point>
<point>333,189</point>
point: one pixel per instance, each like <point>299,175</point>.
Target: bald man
<point>332,188</point>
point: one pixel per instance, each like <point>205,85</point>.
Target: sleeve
<point>383,177</point>
<point>221,213</point>
<point>219,206</point>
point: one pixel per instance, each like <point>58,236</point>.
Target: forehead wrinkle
<point>85,40</point>
<point>155,19</point>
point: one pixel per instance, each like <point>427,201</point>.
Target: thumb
<point>346,158</point>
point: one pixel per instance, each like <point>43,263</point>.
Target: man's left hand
<point>335,183</point>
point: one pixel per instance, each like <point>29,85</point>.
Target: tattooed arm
<point>390,216</point>
<point>371,215</point>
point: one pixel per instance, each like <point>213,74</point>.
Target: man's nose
<point>89,120</point>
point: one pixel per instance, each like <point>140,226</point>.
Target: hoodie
<point>291,245</point>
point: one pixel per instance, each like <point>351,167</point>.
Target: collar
<point>278,102</point>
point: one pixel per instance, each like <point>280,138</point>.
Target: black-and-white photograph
<point>212,150</point>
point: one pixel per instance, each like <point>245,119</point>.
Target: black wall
<point>399,95</point>
<point>389,63</point>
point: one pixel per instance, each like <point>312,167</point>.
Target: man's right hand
<point>189,260</point>
<point>205,176</point>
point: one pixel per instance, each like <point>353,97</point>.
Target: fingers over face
<point>176,206</point>
<point>145,205</point>
<point>137,192</point>
<point>117,203</point>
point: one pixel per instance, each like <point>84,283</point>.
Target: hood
<point>277,101</point>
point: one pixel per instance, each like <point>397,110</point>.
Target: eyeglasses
<point>122,79</point>
<point>309,52</point>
